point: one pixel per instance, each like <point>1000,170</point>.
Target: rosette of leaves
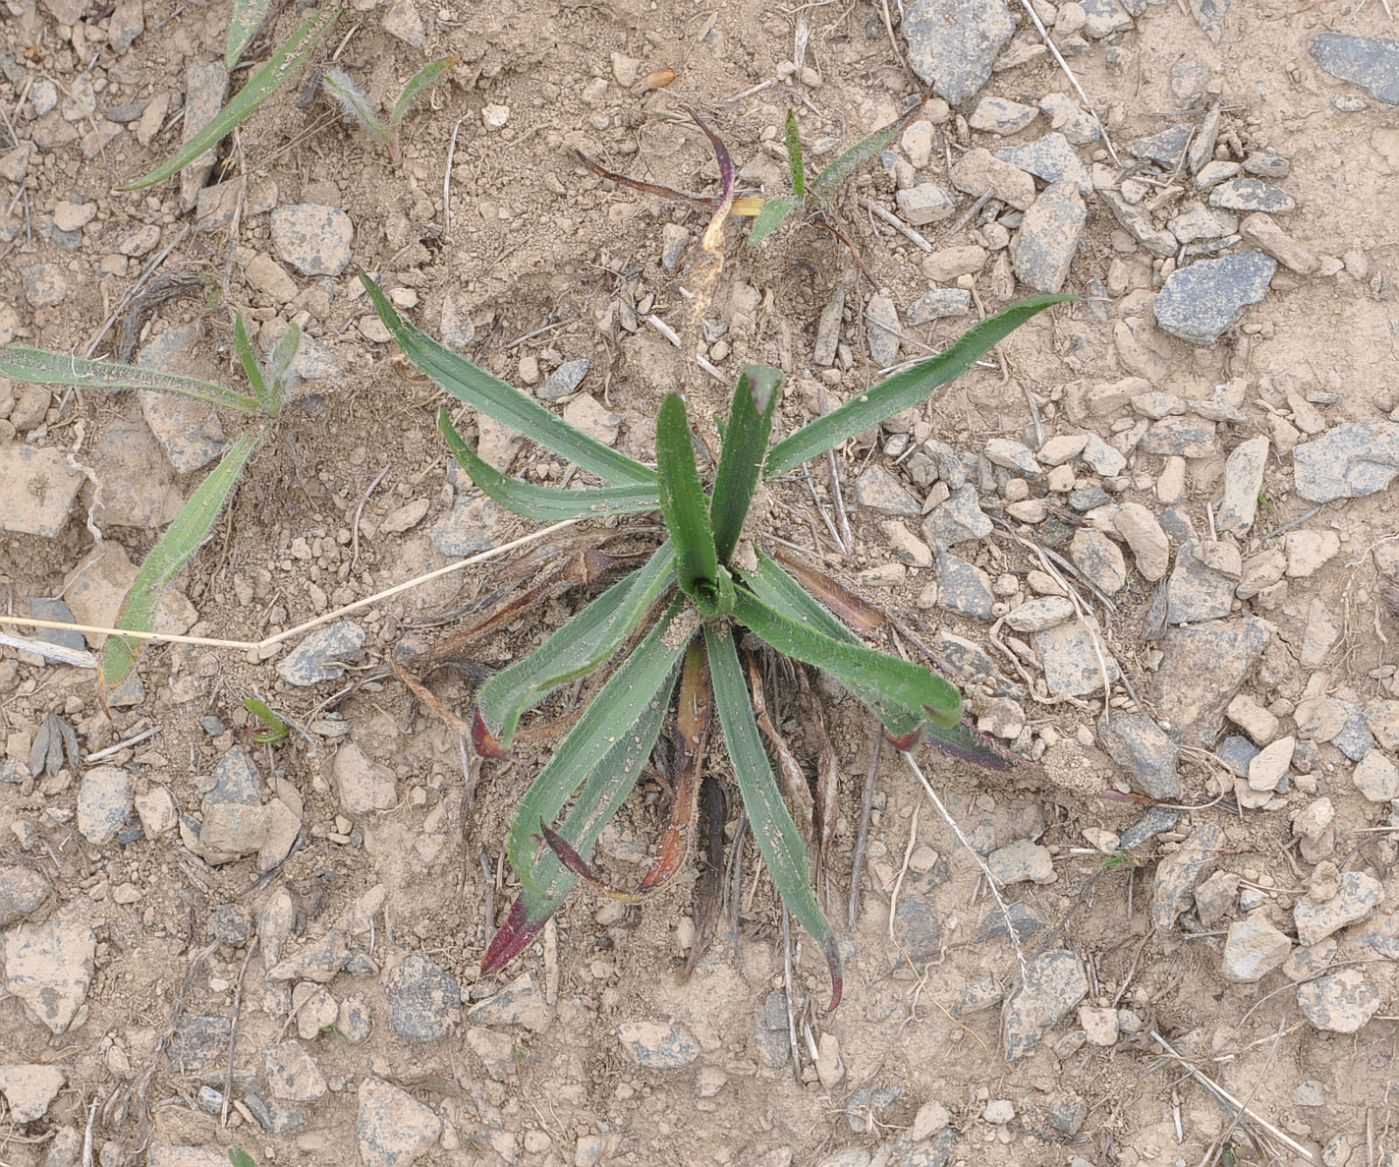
<point>676,623</point>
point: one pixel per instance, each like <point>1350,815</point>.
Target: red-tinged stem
<point>483,740</point>
<point>512,938</point>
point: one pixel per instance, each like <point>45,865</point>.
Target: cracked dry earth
<point>1152,539</point>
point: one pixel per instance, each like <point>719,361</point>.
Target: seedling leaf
<point>895,682</point>
<point>964,742</point>
<point>247,16</point>
<point>858,154</point>
<point>240,1158</point>
<point>548,883</point>
<point>683,502</point>
<point>547,503</point>
<point>903,390</point>
<point>778,839</point>
<point>421,81</point>
<point>621,702</point>
<point>276,730</point>
<point>251,369</point>
<point>353,100</point>
<point>746,437</point>
<point>773,214</point>
<point>192,526</point>
<point>262,85</point>
<point>42,367</point>
<point>279,374</point>
<point>493,397</point>
<point>576,649</point>
<point>796,163</point>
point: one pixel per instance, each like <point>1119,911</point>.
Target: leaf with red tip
<point>971,745</point>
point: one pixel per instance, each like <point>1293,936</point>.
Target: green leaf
<point>904,389</point>
<point>251,369</point>
<point>262,85</point>
<point>421,81</point>
<point>858,154</point>
<point>192,526</point>
<point>240,1158</point>
<point>279,365</point>
<point>42,367</point>
<point>547,883</point>
<point>502,403</point>
<point>620,703</point>
<point>746,436</point>
<point>779,841</point>
<point>576,649</point>
<point>353,100</point>
<point>897,682</point>
<point>796,163</point>
<point>247,16</point>
<point>683,501</point>
<point>276,730</point>
<point>549,503</point>
<point>773,214</point>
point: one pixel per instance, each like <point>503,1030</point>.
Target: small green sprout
<point>685,612</point>
<point>355,104</point>
<point>276,730</point>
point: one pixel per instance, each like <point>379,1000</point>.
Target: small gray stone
<point>1348,461</point>
<point>674,240</point>
<point>1358,896</point>
<point>1237,753</point>
<point>1197,223</point>
<point>1070,655</point>
<point>424,999</point>
<point>1037,615</point>
<point>964,588</point>
<point>938,304</point>
<point>1179,873</point>
<point>1243,483</point>
<point>925,203</point>
<point>883,330</point>
<point>58,610</point>
<point>29,1089</point>
<point>1201,669</point>
<point>403,21</point>
<point>1209,15</point>
<point>318,658</point>
<point>978,171</point>
<point>1253,949</point>
<point>952,44</point>
<point>48,968</point>
<point>199,1041</point>
<point>273,1116</point>
<point>314,239</point>
<point>879,489</point>
<point>189,431</point>
<point>518,1003</point>
<point>1044,248</point>
<point>206,86</point>
<point>1068,118</point>
<point>393,1128</point>
<point>1138,223</point>
<point>22,891</point>
<point>1342,1002</point>
<point>1196,591</point>
<point>1377,778</point>
<point>867,1104</point>
<point>956,520</point>
<point>1103,18</point>
<point>917,925</point>
<point>292,1074</point>
<point>1023,921</point>
<point>1251,194</point>
<point>999,115</point>
<point>1100,559</point>
<point>657,1046</point>
<point>1199,303</point>
<point>467,528</point>
<point>1022,861</point>
<point>1054,984</point>
<point>317,961</point>
<point>1135,742</point>
<point>1164,148</point>
<point>40,487</point>
<point>1050,158</point>
<point>104,803</point>
<point>564,380</point>
<point>1370,62</point>
<point>770,1030</point>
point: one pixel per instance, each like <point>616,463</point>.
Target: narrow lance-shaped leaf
<point>262,85</point>
<point>548,503</point>
<point>860,153</point>
<point>547,883</point>
<point>355,102</point>
<point>770,217</point>
<point>503,403</point>
<point>243,26</point>
<point>746,437</point>
<point>776,834</point>
<point>898,682</point>
<point>796,163</point>
<point>575,650</point>
<point>418,84</point>
<point>41,367</point>
<point>693,714</point>
<point>683,502</point>
<point>251,369</point>
<point>619,703</point>
<point>904,389</point>
<point>192,526</point>
<point>279,371</point>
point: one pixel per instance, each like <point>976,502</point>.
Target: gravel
<point>104,803</point>
<point>1051,158</point>
<point>1135,742</point>
<point>964,588</point>
<point>657,1046</point>
<point>318,658</point>
<point>314,239</point>
<point>1054,984</point>
<point>424,999</point>
<point>952,44</point>
<point>1201,302</point>
<point>1349,461</point>
<point>1202,667</point>
<point>1341,1003</point>
<point>1044,248</point>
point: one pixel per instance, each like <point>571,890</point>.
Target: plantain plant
<point>355,104</point>
<point>195,522</point>
<point>683,615</point>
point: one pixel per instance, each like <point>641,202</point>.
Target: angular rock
<point>518,1003</point>
<point>1377,778</point>
<point>879,489</point>
<point>318,961</point>
<point>938,304</point>
<point>394,1129</point>
<point>1052,159</point>
<point>314,239</point>
<point>564,380</point>
<point>1309,550</point>
<point>104,803</point>
<point>40,487</point>
<point>1370,62</point>
<point>1021,862</point>
<point>1178,874</point>
<point>48,968</point>
<point>318,657</point>
<point>925,203</point>
<point>1251,194</point>
<point>1201,302</point>
<point>403,21</point>
<point>1038,615</point>
<point>1143,534</point>
<point>1100,559</point>
<point>1359,895</point>
<point>1351,460</point>
<point>657,1046</point>
<point>948,263</point>
<point>1243,483</point>
<point>1044,248</point>
<point>1253,949</point>
<point>1342,1002</point>
<point>424,999</point>
<point>1201,669</point>
<point>22,891</point>
<point>1070,655</point>
<point>956,520</point>
<point>964,587</point>
<point>1137,222</point>
<point>1260,230</point>
<point>1197,591</point>
<point>883,331</point>
<point>952,44</point>
<point>1269,767</point>
<point>1066,117</point>
<point>978,171</point>
<point>206,86</point>
<point>999,115</point>
<point>29,1089</point>
<point>917,927</point>
<point>1135,742</point>
<point>1054,984</point>
<point>1165,148</point>
<point>292,1074</point>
